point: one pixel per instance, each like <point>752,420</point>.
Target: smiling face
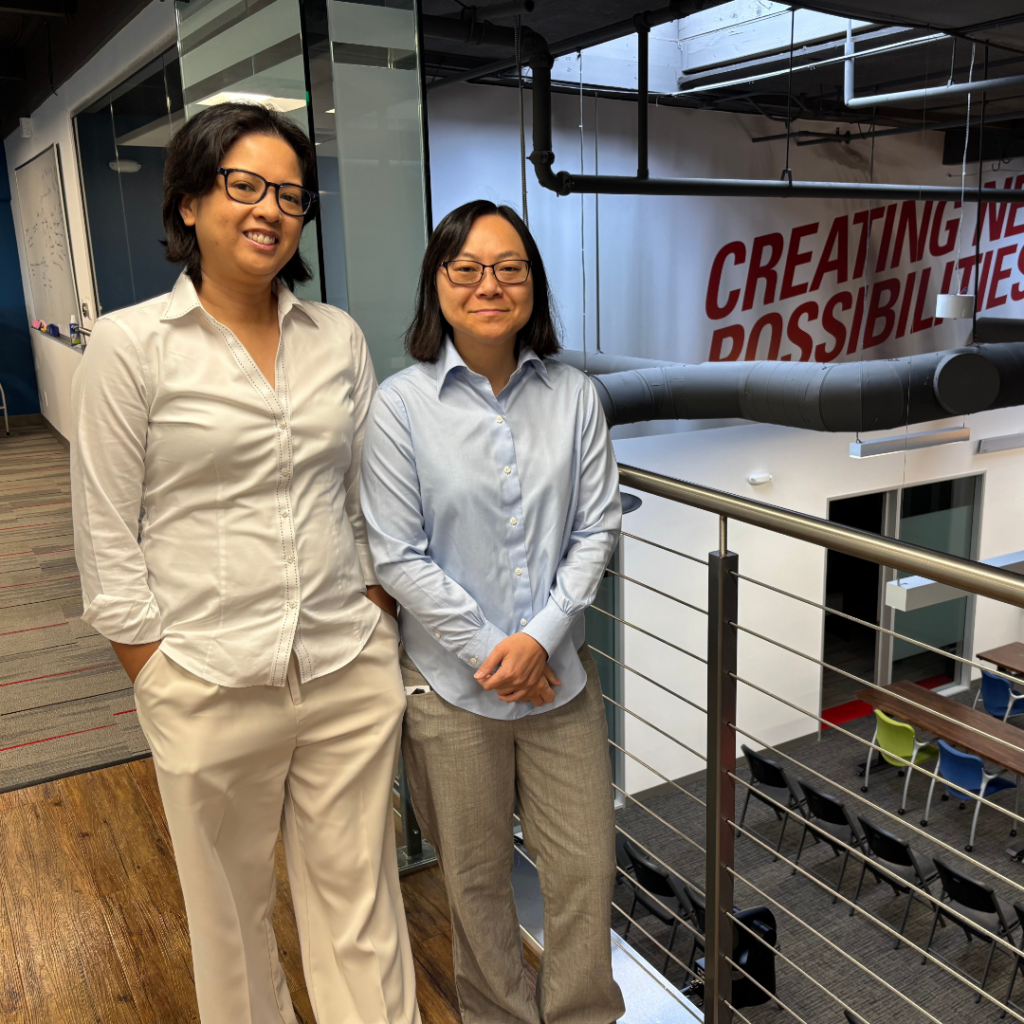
<point>488,313</point>
<point>247,244</point>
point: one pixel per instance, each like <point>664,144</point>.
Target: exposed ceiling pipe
<point>878,394</point>
<point>673,12</point>
<point>933,92</point>
<point>567,183</point>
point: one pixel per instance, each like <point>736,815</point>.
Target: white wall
<point>147,35</point>
<point>657,252</point>
<point>55,362</point>
<point>808,470</point>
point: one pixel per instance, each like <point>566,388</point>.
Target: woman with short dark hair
<point>242,601</point>
<point>491,497</point>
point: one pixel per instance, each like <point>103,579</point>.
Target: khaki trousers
<point>229,761</point>
<point>465,774</point>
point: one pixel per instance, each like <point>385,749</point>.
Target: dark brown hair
<point>426,333</point>
<point>190,169</point>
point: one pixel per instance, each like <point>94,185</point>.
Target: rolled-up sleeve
<point>595,531</point>
<point>362,396</point>
<point>398,541</point>
<point>108,452</point>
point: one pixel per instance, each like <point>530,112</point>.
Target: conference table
<point>1009,657</point>
<point>998,742</point>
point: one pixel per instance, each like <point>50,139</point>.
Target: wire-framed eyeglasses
<point>249,188</point>
<point>471,272</point>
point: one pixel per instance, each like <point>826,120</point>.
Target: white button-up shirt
<point>217,513</point>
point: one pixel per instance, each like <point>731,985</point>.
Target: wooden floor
<point>92,925</point>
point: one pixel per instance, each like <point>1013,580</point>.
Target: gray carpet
<point>929,986</point>
<point>66,705</point>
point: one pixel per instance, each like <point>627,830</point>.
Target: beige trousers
<point>465,774</point>
<point>230,762</point>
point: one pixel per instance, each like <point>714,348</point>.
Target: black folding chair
<point>896,854</point>
<point>659,898</point>
<point>775,783</point>
<point>832,823</point>
<point>1018,960</point>
<point>986,914</point>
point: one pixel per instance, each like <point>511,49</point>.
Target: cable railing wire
<point>839,949</point>
<point>672,956</point>
<point>673,551</point>
<point>667,735</point>
<point>927,954</point>
<point>647,632</point>
<point>625,947</point>
<point>654,771</point>
<point>926,772</point>
<point>653,682</point>
<point>657,817</point>
<point>640,846</point>
<point>663,593</point>
<point>771,995</point>
<point>875,686</point>
<point>991,669</point>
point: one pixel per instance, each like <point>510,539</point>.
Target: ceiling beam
<point>43,8</point>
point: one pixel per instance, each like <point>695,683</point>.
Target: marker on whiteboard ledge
<point>76,338</point>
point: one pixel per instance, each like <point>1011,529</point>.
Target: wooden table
<point>925,708</point>
<point>1009,657</point>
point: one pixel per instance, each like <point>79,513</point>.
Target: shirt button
<point>499,420</point>
<point>513,520</point>
<point>291,604</point>
<point>508,469</point>
<point>291,559</point>
<point>522,622</point>
<point>280,424</point>
<point>472,661</point>
<point>284,513</point>
<point>437,636</point>
<point>519,572</point>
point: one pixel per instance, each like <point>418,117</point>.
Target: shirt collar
<point>185,298</point>
<point>450,360</point>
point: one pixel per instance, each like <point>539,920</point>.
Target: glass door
<point>939,516</point>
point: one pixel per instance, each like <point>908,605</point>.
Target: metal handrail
<point>961,573</point>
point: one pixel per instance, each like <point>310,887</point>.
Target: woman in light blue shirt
<point>490,491</point>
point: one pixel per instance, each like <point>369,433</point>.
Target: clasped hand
<point>517,670</point>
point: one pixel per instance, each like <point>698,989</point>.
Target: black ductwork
<point>878,394</point>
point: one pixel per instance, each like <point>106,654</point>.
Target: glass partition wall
<point>121,140</point>
<point>348,73</point>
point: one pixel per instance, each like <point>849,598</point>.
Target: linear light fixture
<point>905,442</point>
<point>280,103</point>
<point>1000,444</point>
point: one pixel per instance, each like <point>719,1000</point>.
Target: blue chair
<point>999,697</point>
<point>966,779</point>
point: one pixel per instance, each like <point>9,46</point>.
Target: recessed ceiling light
<point>125,166</point>
<point>331,111</point>
<point>279,103</point>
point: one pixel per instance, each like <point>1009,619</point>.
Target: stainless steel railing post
<point>723,590</point>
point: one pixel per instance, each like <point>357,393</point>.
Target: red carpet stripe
<point>132,712</point>
<point>32,629</point>
<point>62,736</point>
<point>70,672</point>
<point>33,583</point>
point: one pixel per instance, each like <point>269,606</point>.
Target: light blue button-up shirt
<point>490,515</point>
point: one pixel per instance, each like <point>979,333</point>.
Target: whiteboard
<point>44,224</point>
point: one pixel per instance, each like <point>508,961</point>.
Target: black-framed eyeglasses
<point>471,272</point>
<point>249,188</point>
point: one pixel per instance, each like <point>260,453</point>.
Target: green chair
<point>900,747</point>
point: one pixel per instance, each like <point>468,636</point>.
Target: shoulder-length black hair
<point>425,336</point>
<point>190,169</point>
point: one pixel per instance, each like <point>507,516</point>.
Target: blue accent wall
<point>17,371</point>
